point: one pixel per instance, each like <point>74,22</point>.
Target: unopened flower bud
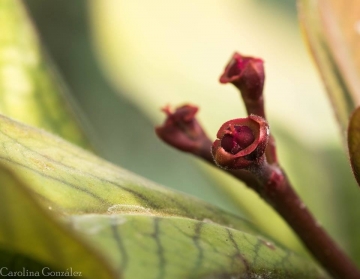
<point>182,131</point>
<point>247,74</point>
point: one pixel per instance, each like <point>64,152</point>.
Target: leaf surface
<point>139,228</point>
<point>167,247</point>
<point>30,238</point>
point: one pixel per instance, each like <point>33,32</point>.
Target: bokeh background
<point>123,60</point>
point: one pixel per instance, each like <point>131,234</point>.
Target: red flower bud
<point>247,74</point>
<point>241,142</point>
<point>182,131</point>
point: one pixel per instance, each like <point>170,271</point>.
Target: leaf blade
<point>79,186</point>
<point>68,171</point>
<point>207,249</point>
<point>21,219</point>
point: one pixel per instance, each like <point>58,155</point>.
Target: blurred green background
<point>123,60</point>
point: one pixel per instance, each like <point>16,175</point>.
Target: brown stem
<point>270,182</point>
<point>288,204</point>
<point>279,193</point>
<point>254,106</point>
<point>257,107</point>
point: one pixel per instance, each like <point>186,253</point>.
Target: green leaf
<point>30,89</point>
<point>141,229</point>
<point>73,181</point>
<point>168,247</point>
<point>32,239</point>
<point>354,143</point>
<point>332,30</point>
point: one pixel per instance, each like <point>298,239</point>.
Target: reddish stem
<point>276,189</point>
<point>270,182</point>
